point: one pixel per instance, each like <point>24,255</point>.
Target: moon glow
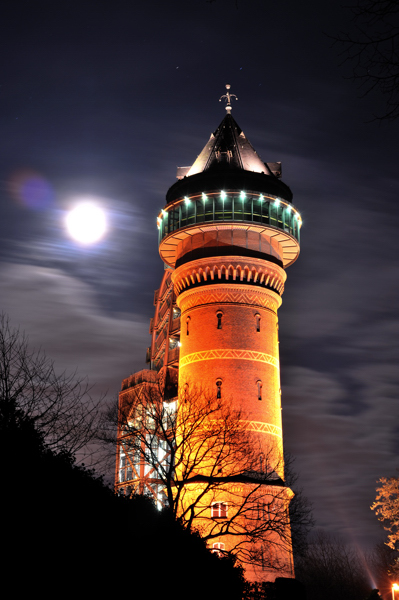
<point>86,223</point>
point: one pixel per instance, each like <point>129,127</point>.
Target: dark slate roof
<point>229,162</point>
<point>228,148</point>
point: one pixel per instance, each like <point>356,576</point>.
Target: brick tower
<point>226,235</point>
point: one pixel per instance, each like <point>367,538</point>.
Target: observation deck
<point>229,202</point>
<point>275,219</point>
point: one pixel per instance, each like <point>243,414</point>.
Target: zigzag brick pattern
<point>264,428</point>
<point>228,354</point>
<point>233,296</point>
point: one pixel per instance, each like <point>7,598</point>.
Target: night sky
<point>103,100</point>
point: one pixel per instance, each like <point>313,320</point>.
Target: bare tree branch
<point>195,455</point>
<point>60,404</point>
<point>373,51</point>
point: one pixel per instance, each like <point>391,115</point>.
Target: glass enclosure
<point>237,207</point>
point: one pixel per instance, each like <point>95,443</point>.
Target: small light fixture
<point>204,197</point>
<point>288,209</point>
<point>223,195</point>
<point>242,195</point>
<point>277,202</point>
<point>261,197</point>
<point>186,200</point>
<point>395,588</point>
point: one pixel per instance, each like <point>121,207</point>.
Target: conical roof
<point>229,162</point>
<point>228,148</point>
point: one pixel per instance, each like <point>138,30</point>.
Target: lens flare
<point>31,190</point>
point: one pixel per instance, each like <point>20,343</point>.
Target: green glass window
<point>219,205</point>
<point>209,209</point>
<point>228,208</point>
<point>247,209</point>
<point>200,211</point>
<point>238,209</point>
<point>257,209</point>
<point>190,213</point>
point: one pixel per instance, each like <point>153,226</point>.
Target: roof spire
<point>227,97</point>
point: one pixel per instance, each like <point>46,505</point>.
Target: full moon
<point>86,223</point>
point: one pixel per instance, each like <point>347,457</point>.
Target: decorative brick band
<point>264,428</point>
<point>228,354</point>
<point>228,269</point>
<point>223,294</point>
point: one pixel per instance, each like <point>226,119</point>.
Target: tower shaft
<point>226,235</point>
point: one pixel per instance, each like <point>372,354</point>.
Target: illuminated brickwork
<point>227,233</point>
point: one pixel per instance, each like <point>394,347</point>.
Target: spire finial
<point>227,97</point>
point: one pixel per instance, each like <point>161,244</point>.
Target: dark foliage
<point>66,534</point>
<point>281,589</point>
<point>374,595</point>
<point>331,569</point>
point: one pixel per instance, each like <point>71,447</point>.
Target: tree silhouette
<point>195,455</point>
<point>66,534</point>
<point>373,51</point>
<point>331,569</point>
<point>59,405</point>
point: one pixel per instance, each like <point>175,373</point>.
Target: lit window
<point>219,510</point>
<point>218,548</point>
<point>126,461</point>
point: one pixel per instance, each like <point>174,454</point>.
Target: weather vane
<point>227,97</point>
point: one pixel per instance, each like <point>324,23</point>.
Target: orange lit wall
<point>229,339</point>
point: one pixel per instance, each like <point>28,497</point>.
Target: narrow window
<point>257,322</point>
<point>187,324</point>
<point>219,317</point>
<point>259,385</point>
<point>219,510</point>
<point>185,392</point>
<point>219,388</point>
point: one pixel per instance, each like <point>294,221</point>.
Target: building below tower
<point>201,430</point>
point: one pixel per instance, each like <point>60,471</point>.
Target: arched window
<point>259,386</point>
<point>219,388</point>
<point>188,325</point>
<point>219,316</point>
<point>257,322</point>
